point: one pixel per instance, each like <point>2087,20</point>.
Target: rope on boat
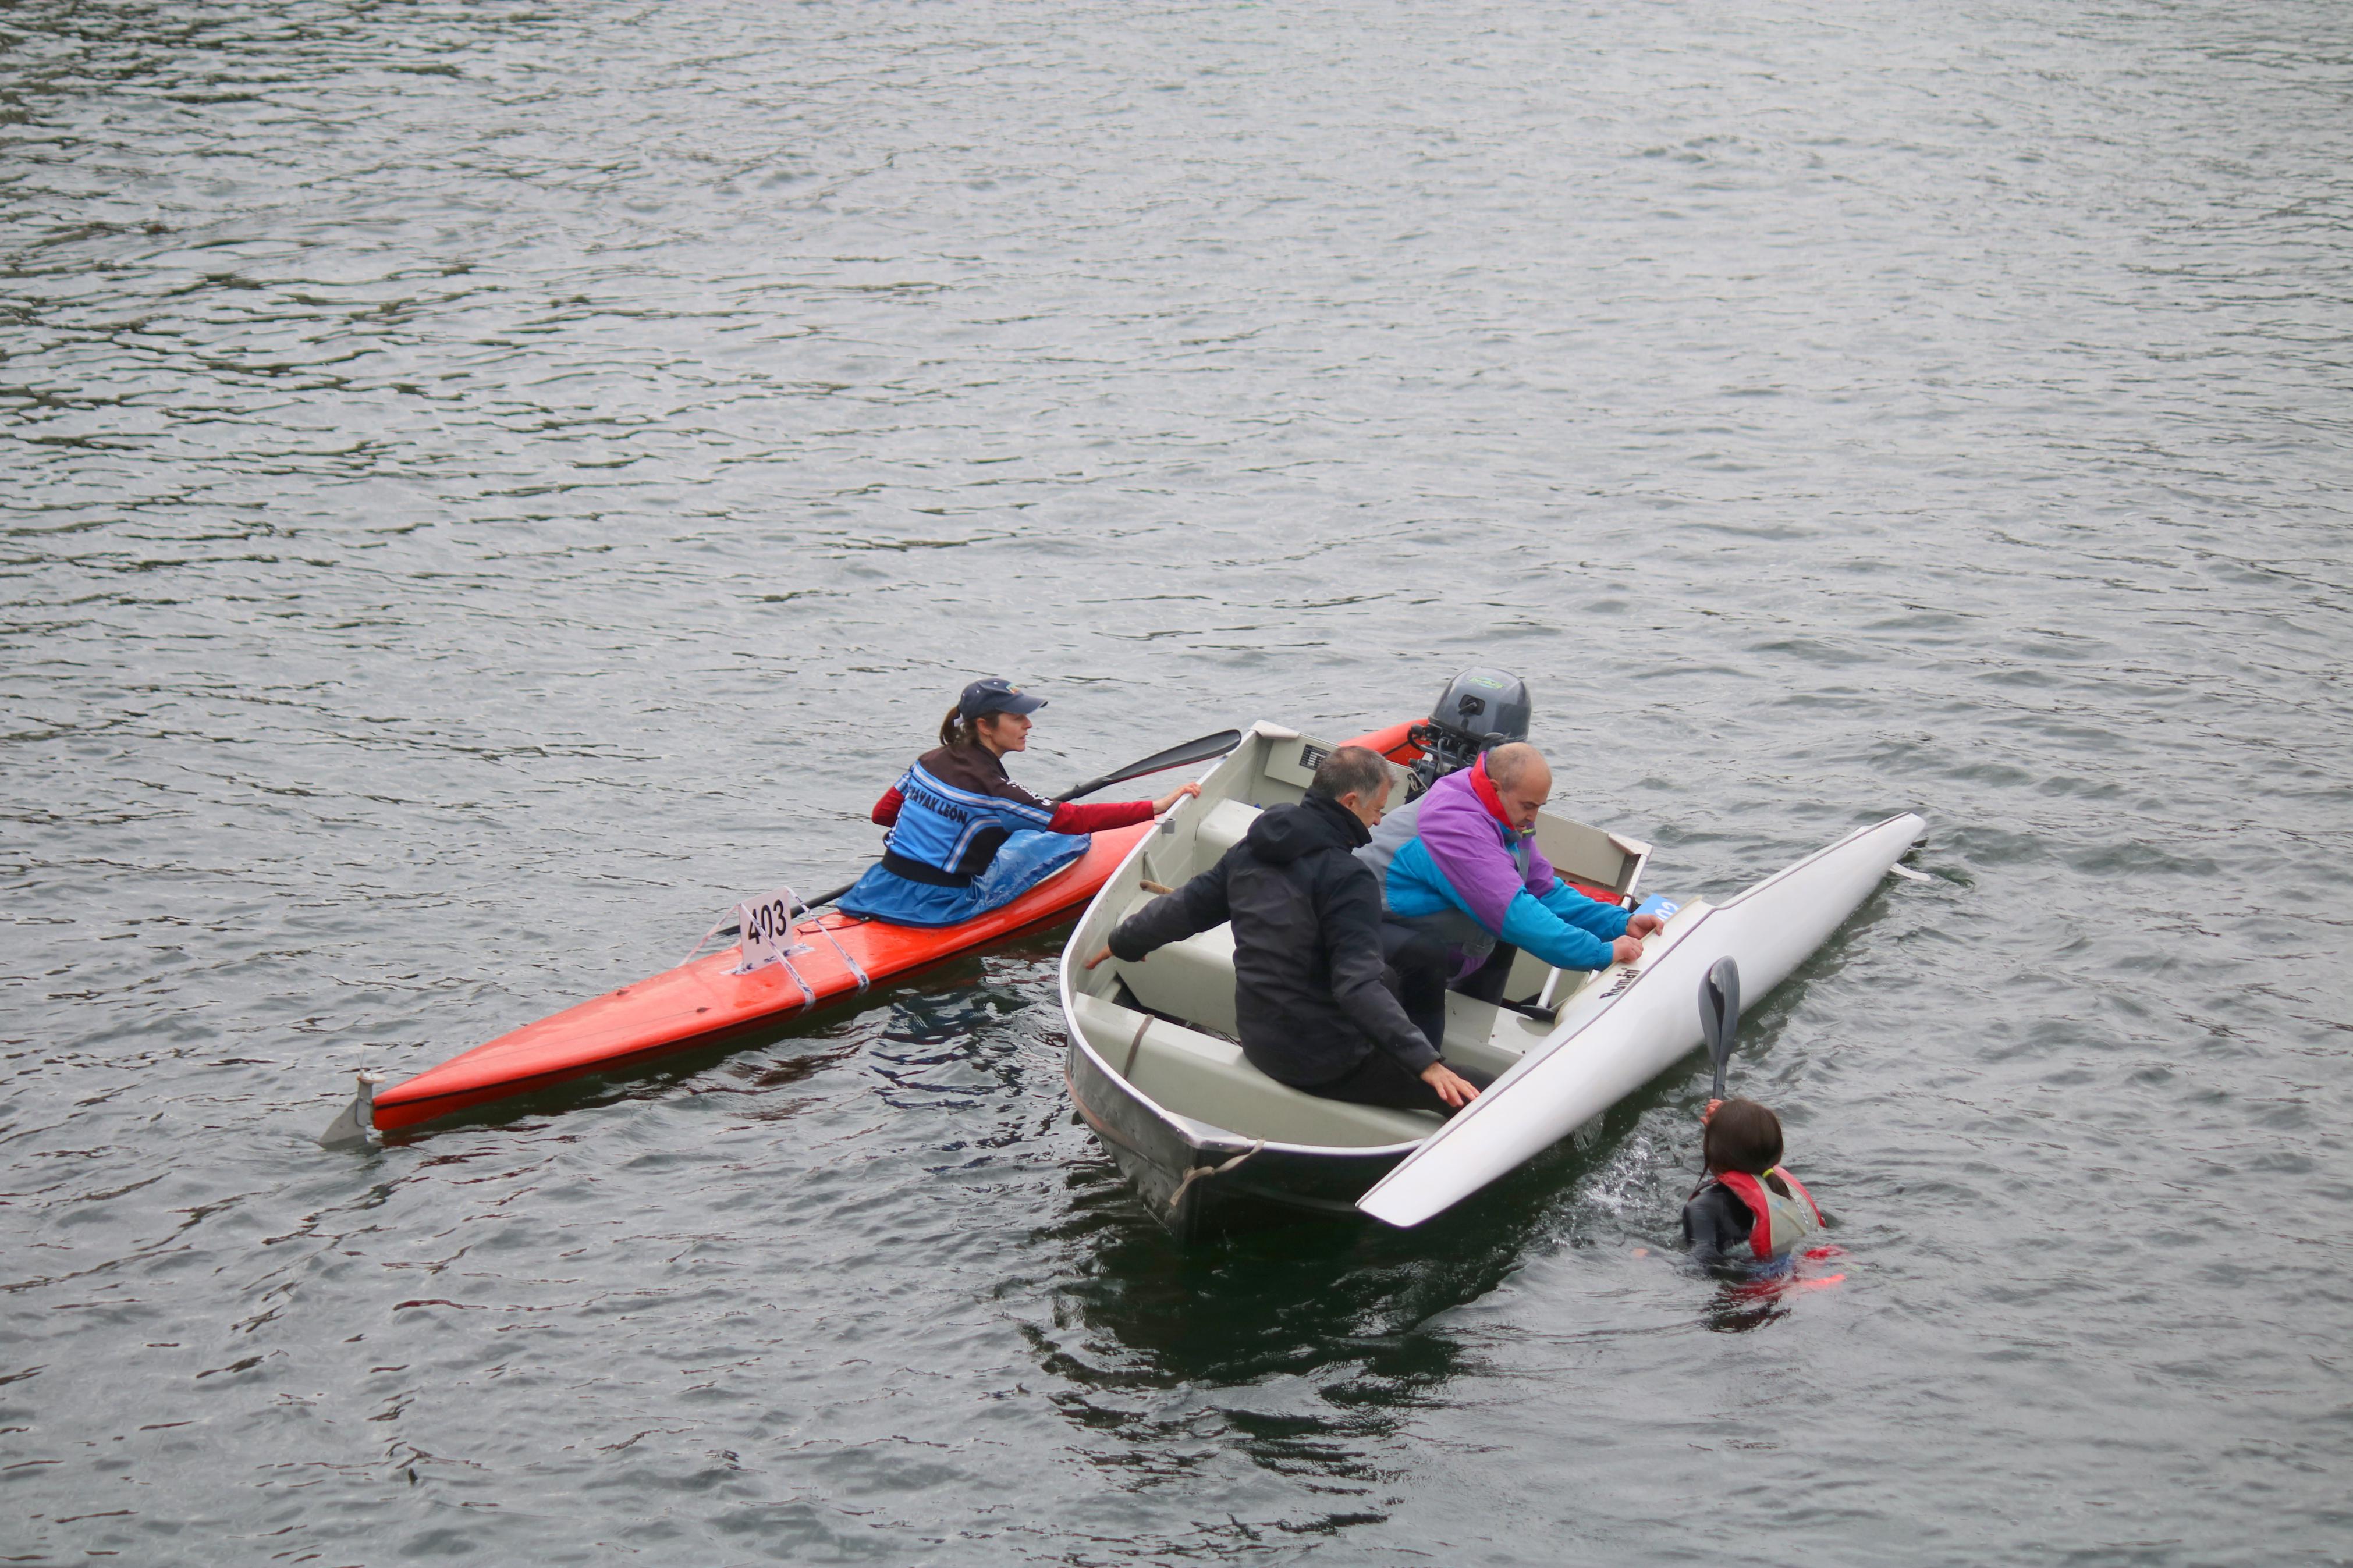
<point>818,925</point>
<point>1197,1171</point>
<point>1133,1046</point>
<point>1109,1134</point>
<point>722,920</point>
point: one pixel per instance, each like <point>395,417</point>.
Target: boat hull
<point>1158,1154</point>
<point>704,1003</point>
<point>1641,1023</point>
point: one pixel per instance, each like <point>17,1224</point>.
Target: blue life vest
<point>1021,862</point>
<point>938,823</point>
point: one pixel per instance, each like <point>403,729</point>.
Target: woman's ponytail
<point>955,729</point>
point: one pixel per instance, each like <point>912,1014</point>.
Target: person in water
<point>1465,888</point>
<point>1748,1212</point>
<point>1311,1002</point>
<point>964,837</point>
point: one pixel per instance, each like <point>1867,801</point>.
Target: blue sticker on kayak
<point>1654,905</point>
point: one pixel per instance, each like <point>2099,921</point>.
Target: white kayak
<point>1154,1067</point>
<point>1615,1037</point>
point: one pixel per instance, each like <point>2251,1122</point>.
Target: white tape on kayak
<point>856,968</point>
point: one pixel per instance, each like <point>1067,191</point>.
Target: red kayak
<point>705,1003</point>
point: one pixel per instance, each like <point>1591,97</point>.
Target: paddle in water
<point>1199,751</point>
<point>1719,1016</point>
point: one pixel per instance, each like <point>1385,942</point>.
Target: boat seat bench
<point>1207,1080</point>
<point>1192,979</point>
<point>1222,827</point>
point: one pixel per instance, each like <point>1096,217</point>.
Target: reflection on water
<point>1307,1346</point>
<point>1291,1346</point>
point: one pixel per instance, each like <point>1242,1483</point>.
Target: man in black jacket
<point>1311,1000</point>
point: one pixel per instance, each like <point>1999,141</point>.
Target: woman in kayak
<point>965,838</point>
<point>1749,1213</point>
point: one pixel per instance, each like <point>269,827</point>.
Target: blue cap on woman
<point>983,697</point>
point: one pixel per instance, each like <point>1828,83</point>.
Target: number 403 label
<point>767,923</point>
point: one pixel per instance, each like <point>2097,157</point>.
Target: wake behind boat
<point>1154,1071</point>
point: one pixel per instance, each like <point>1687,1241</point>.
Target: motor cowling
<point>1480,709</point>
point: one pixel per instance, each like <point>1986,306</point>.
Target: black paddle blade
<point>1719,1015</point>
<point>1199,751</point>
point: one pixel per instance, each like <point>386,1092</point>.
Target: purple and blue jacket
<point>1448,864</point>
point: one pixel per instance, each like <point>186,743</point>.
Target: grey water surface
<point>488,484</point>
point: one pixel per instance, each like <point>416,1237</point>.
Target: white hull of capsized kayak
<point>1617,1037</point>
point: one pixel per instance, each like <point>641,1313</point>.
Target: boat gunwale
<point>1229,1142</point>
<point>1236,1184</point>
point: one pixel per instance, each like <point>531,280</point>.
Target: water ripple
<point>487,485</point>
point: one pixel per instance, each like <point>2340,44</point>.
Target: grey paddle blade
<point>1719,1015</point>
<point>355,1127</point>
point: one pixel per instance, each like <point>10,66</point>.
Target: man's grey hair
<point>1506,762</point>
<point>1352,770</point>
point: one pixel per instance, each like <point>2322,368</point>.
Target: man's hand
<point>1625,950</point>
<point>1101,953</point>
<point>1453,1086</point>
<point>1641,926</point>
<point>1709,1114</point>
<point>1168,802</point>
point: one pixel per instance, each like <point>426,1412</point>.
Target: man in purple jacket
<point>1461,874</point>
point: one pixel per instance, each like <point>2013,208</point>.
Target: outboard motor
<point>1480,709</point>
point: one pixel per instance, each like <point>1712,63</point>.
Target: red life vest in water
<point>1782,1224</point>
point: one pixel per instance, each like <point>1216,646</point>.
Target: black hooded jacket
<point>1308,996</point>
